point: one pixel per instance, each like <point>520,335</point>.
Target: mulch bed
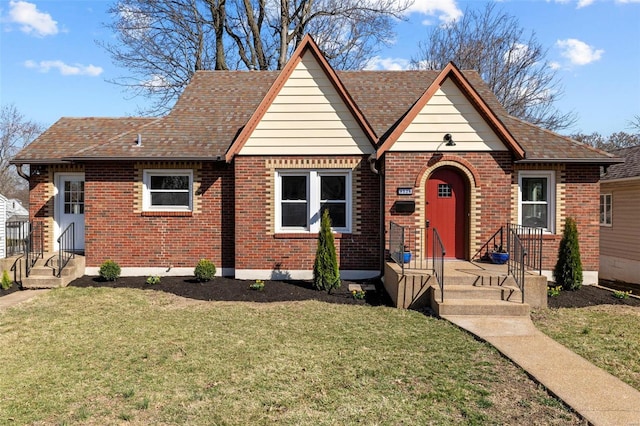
<point>228,289</point>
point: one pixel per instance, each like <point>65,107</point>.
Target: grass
<point>113,356</point>
<point>608,336</point>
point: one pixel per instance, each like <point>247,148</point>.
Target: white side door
<point>69,206</point>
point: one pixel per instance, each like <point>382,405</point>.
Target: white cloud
<point>578,52</point>
<point>585,3</point>
<point>65,69</point>
<point>156,82</point>
<point>31,19</point>
<point>389,64</point>
<point>445,10</point>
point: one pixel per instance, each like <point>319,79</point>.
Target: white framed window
<point>606,209</point>
<point>168,190</point>
<point>536,199</point>
<point>302,196</point>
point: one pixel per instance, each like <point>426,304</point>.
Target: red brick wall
<point>582,202</point>
<point>114,231</point>
<point>258,247</point>
<point>493,171</point>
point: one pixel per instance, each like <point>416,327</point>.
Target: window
<point>444,190</point>
<point>168,190</point>
<point>73,197</point>
<point>605,209</point>
<point>537,200</point>
<point>302,196</point>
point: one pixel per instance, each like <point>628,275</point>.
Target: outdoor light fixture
<point>449,140</point>
<point>36,171</point>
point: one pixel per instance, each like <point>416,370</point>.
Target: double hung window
<point>168,190</point>
<point>605,209</point>
<point>537,200</point>
<point>302,196</point>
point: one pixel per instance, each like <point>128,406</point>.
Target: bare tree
<point>511,62</point>
<point>613,141</point>
<point>161,43</point>
<point>15,132</point>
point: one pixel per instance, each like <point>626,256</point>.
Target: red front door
<point>446,211</point>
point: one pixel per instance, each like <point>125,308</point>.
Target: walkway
<point>16,297</point>
<point>596,395</point>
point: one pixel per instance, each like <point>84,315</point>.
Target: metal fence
<point>16,234</point>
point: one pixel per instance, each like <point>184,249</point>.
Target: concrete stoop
<point>44,272</point>
<point>482,295</point>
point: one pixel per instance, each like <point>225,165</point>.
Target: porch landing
<point>470,288</point>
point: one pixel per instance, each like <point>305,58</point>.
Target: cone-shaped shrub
<point>568,270</point>
<point>326,275</point>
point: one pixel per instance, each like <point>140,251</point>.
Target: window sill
<point>166,214</point>
<point>305,235</point>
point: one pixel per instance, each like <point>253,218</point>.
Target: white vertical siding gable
<point>307,117</point>
<point>449,111</point>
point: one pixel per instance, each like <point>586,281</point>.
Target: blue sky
<point>50,65</point>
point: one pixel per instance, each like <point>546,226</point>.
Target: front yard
<point>130,356</point>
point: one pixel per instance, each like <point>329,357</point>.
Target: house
<point>619,224</point>
<point>240,169</point>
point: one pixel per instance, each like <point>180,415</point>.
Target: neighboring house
<point>240,169</point>
<point>619,222</point>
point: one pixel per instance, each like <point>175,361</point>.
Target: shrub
<point>258,285</point>
<point>568,270</point>
<point>109,270</point>
<point>554,291</point>
<point>7,282</point>
<point>153,279</point>
<point>326,275</point>
<point>618,294</point>
<point>205,270</point>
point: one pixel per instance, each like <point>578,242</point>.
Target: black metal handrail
<point>531,239</point>
<point>16,268</point>
<point>66,247</point>
<point>517,255</point>
<point>35,246</point>
<point>438,254</point>
<point>494,243</point>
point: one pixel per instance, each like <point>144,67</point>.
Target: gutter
<point>571,160</point>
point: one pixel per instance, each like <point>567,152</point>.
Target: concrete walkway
<point>18,297</point>
<point>596,395</point>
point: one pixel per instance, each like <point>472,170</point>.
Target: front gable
<point>307,112</point>
<point>450,106</point>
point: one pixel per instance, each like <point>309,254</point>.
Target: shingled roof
<point>630,168</point>
<point>216,105</point>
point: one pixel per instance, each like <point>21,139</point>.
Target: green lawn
<point>608,336</point>
<point>121,356</point>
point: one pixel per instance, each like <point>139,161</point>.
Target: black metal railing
<point>67,247</point>
<point>494,243</point>
<point>437,254</point>
<point>35,246</point>
<point>408,246</point>
<point>531,239</point>
<point>16,233</point>
<point>16,268</point>
<point>517,255</point>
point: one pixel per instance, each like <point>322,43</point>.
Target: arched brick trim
<point>471,174</point>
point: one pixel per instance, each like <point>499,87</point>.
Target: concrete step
<point>480,307</point>
<point>37,281</point>
<point>477,279</point>
<point>479,292</point>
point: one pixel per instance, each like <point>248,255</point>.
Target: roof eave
<point>144,158</point>
<point>571,160</point>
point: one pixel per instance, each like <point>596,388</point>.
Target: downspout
<point>372,165</point>
<point>22,174</point>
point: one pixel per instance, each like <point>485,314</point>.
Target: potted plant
<point>499,255</point>
<point>406,254</point>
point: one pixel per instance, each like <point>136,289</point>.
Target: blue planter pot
<point>499,258</point>
<point>406,257</point>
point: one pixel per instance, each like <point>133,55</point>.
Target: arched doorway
<point>447,210</point>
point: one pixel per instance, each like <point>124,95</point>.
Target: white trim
<point>550,175</point>
<point>146,191</point>
<point>300,274</point>
<point>605,223</point>
<point>313,201</point>
<point>161,271</point>
<point>627,179</point>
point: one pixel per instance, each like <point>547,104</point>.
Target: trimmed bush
<point>7,282</point>
<point>326,275</point>
<point>205,270</point>
<point>568,270</point>
<point>109,270</point>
